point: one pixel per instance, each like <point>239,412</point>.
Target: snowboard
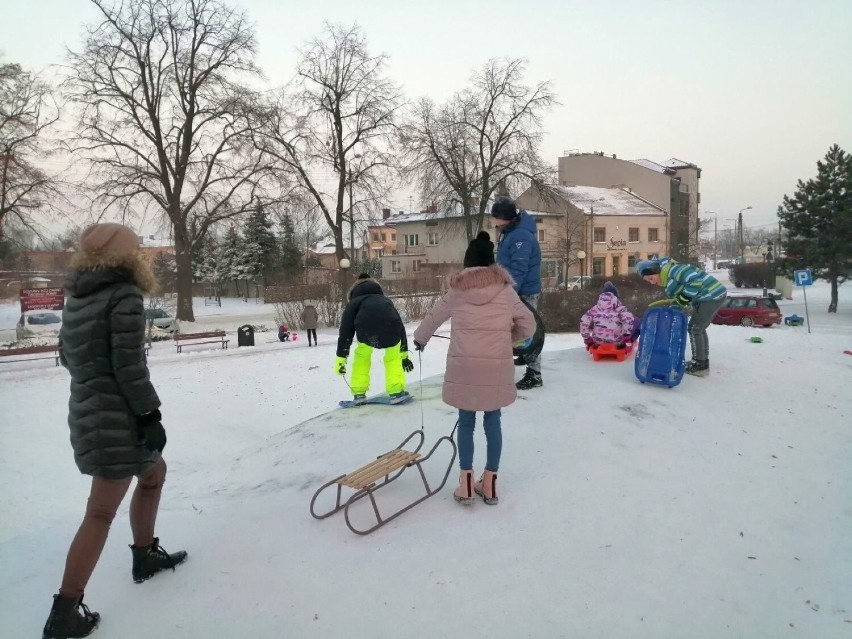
<point>377,399</point>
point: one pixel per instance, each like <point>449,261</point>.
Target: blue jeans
<point>493,438</point>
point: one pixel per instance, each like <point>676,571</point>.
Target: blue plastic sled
<point>378,399</point>
<point>662,345</point>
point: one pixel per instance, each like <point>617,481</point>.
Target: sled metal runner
<point>379,473</point>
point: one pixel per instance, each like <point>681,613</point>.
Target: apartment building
<point>433,244</point>
<point>614,227</point>
<point>672,185</point>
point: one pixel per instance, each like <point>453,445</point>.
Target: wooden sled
<point>386,468</point>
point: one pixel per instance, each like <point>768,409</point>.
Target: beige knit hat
<point>108,238</point>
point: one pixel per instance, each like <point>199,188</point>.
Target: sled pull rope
<point>420,362</point>
<point>420,369</point>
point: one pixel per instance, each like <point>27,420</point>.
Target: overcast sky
<point>753,92</point>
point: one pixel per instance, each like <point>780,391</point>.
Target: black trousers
<point>311,331</point>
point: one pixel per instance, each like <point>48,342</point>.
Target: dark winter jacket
<point>372,317</point>
<point>519,253</point>
<point>310,318</point>
<point>102,346</point>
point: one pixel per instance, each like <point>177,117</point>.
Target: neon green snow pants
<point>394,375</point>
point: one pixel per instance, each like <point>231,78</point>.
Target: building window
<point>375,237</point>
<point>412,239</point>
<point>383,237</point>
<point>653,235</point>
<point>416,266</point>
<point>600,234</point>
<point>541,235</point>
<point>631,261</point>
<point>698,196</point>
<point>598,265</point>
<point>633,234</point>
<point>549,268</point>
<point>393,237</point>
<point>393,251</point>
<point>395,267</point>
<point>616,265</point>
<point>433,238</point>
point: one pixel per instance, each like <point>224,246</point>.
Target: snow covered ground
<point>720,508</point>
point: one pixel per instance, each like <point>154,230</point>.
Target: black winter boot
<point>70,618</point>
<point>698,367</point>
<point>520,361</point>
<point>149,560</point>
<point>532,379</point>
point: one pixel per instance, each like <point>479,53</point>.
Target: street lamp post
<point>344,267</point>
<point>581,255</point>
<point>740,218</point>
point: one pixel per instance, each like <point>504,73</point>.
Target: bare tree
<point>333,130</point>
<point>483,142</point>
<point>163,118</point>
<point>27,109</point>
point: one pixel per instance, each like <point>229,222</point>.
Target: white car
<point>161,319</point>
<point>38,324</point>
<point>577,282</point>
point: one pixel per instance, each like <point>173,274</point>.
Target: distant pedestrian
<point>114,417</point>
<point>310,319</point>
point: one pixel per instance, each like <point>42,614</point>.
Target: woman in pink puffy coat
<point>488,317</point>
<point>607,322</point>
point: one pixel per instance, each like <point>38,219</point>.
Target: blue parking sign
<point>804,277</point>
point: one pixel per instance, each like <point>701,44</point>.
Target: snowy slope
<point>720,508</point>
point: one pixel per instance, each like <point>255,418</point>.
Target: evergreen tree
<point>234,261</point>
<point>291,255</point>
<point>818,223</point>
<point>262,255</point>
<point>165,270</point>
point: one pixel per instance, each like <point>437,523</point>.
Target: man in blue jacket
<point>519,253</point>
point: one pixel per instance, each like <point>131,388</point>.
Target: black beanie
<point>480,251</point>
<point>504,208</point>
<point>364,276</point>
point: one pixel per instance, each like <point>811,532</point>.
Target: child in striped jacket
<point>688,286</point>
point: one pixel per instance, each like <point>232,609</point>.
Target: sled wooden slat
<point>379,468</point>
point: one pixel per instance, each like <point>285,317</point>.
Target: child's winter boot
<point>359,398</point>
<point>149,560</point>
<point>70,618</point>
<point>486,487</point>
<point>464,493</point>
<point>698,367</point>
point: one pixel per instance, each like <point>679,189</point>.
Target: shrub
<point>753,275</point>
<point>415,307</point>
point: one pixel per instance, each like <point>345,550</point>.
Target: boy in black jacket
<point>372,317</point>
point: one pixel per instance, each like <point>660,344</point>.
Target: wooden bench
<point>213,337</point>
<point>382,467</point>
<point>29,350</point>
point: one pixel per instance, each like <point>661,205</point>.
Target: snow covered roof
<point>674,163</point>
<point>324,247</point>
<point>393,220</point>
<point>654,166</point>
<point>607,201</point>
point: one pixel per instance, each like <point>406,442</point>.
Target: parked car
<point>161,319</point>
<point>38,324</point>
<point>748,310</point>
<point>576,282</point>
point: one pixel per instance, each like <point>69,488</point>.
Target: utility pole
<point>740,235</point>
<point>715,230</point>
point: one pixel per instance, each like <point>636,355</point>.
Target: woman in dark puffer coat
<point>114,415</point>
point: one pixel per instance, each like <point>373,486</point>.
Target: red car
<point>748,310</point>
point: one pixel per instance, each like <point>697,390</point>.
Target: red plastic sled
<point>611,350</point>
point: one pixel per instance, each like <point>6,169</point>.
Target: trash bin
<point>245,335</point>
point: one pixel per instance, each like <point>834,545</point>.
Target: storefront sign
<point>616,245</point>
<point>42,299</point>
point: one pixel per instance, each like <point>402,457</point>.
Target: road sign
<point>42,299</point>
<point>804,277</point>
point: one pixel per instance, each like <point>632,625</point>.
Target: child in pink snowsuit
<point>607,322</point>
